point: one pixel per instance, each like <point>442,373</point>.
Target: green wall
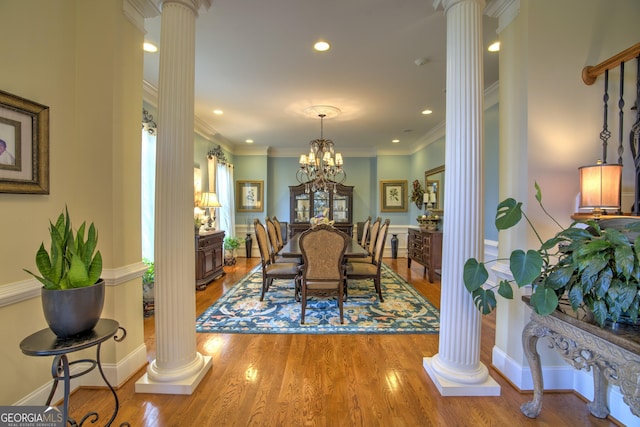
<point>365,174</point>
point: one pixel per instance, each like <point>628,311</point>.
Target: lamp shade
<point>209,200</point>
<point>600,186</point>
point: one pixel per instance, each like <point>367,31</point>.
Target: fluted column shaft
<point>456,369</point>
<point>178,367</point>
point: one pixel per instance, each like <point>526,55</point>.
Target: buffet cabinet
<point>425,247</point>
<point>306,205</point>
<point>209,257</point>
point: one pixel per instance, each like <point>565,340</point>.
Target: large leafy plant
<point>72,262</point>
<point>594,267</point>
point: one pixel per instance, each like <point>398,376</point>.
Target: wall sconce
<point>210,201</point>
<point>600,187</point>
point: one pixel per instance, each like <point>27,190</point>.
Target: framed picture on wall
<point>24,146</point>
<point>393,196</point>
<point>249,196</point>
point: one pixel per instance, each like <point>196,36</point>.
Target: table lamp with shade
<point>600,187</point>
<point>210,201</point>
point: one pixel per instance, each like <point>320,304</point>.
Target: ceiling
<point>255,61</point>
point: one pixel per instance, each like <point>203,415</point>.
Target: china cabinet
<point>338,206</point>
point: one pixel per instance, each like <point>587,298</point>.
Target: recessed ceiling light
<point>395,141</point>
<point>218,112</point>
<point>322,46</point>
<point>494,47</point>
<point>426,112</point>
<point>249,141</point>
<point>149,47</point>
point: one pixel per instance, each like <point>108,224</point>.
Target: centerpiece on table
<point>321,218</point>
<point>72,292</point>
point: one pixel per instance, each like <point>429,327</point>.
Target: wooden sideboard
<point>209,257</point>
<point>425,247</point>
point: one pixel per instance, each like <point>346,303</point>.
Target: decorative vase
<point>394,246</point>
<point>72,311</point>
<point>247,245</point>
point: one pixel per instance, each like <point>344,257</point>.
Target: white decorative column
<point>178,367</point>
<point>456,369</point>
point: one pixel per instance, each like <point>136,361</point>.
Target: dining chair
<point>274,246</point>
<point>323,249</point>
<point>363,270</point>
<point>278,225</point>
<point>372,243</point>
<point>273,270</point>
<point>365,232</point>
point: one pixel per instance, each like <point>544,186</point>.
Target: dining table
<point>291,249</point>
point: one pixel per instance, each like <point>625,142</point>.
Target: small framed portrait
<point>24,146</point>
<point>249,196</point>
<point>393,196</point>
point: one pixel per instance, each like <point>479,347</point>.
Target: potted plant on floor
<point>230,246</point>
<point>148,288</point>
<point>72,292</point>
<point>595,268</point>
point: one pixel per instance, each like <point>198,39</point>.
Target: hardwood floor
<point>325,380</point>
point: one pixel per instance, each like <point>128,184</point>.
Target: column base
<point>185,385</point>
<point>448,387</point>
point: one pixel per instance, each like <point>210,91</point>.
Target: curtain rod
<point>591,72</point>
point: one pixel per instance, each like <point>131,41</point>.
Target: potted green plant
<point>72,291</point>
<point>148,288</point>
<point>230,246</point>
<point>595,268</point>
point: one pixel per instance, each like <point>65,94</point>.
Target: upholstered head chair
<point>322,250</point>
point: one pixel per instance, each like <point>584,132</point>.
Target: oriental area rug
<point>240,311</point>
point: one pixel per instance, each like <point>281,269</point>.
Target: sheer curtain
<point>226,197</point>
<point>148,193</point>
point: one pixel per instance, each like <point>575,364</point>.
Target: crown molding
<point>150,93</point>
<point>505,10</point>
<point>137,11</point>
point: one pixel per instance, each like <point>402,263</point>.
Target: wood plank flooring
<point>325,380</point>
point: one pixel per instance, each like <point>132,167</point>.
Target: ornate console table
<point>613,353</point>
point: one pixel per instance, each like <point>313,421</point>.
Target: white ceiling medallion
<point>328,111</point>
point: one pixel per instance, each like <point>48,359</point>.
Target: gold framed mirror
<point>434,190</point>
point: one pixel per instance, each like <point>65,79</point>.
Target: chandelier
<point>321,169</point>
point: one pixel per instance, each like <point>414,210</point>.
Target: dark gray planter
<point>72,311</point>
